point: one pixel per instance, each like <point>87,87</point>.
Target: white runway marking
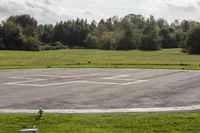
<point>19,82</point>
<point>103,111</point>
<point>32,80</point>
<point>94,82</point>
<point>117,77</point>
<point>26,83</point>
<point>135,82</point>
<point>63,83</point>
<point>45,75</point>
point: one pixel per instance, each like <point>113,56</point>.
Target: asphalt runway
<point>98,89</point>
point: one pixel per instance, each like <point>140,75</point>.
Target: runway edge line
<point>103,111</point>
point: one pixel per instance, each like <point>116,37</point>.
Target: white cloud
<point>51,11</point>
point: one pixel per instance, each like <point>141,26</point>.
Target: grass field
<point>166,59</point>
<point>103,123</point>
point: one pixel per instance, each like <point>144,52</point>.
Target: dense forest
<point>128,33</point>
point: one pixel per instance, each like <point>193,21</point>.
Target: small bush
<point>31,44</point>
<point>53,46</point>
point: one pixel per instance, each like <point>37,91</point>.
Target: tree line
<point>128,33</point>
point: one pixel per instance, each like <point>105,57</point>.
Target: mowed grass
<point>104,123</point>
<point>81,58</point>
<point>101,123</point>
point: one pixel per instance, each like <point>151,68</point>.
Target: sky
<point>52,11</point>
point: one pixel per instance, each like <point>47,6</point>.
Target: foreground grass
<point>102,123</point>
<point>167,59</point>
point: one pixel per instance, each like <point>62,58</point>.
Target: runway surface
<point>99,90</point>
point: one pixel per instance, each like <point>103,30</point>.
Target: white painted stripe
<point>27,83</point>
<point>46,85</point>
<point>30,85</point>
<point>116,77</point>
<point>135,82</point>
<point>31,80</point>
<point>20,78</point>
<point>95,82</point>
<point>63,83</point>
<point>29,76</point>
<point>20,82</point>
<point>54,76</point>
<point>101,111</point>
<point>70,76</point>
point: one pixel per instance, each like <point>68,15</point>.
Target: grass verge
<point>104,123</point>
<point>78,58</point>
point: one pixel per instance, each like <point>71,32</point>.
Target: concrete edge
<point>104,111</point>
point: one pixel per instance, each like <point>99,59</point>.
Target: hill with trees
<point>128,33</point>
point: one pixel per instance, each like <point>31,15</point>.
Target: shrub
<point>58,45</point>
<point>31,44</point>
<point>53,46</point>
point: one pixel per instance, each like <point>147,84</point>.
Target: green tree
<point>92,26</point>
<point>193,41</point>
<point>60,33</point>
<point>80,30</point>
<point>72,33</point>
<point>150,39</point>
<point>107,41</point>
<point>102,27</point>
<point>1,37</point>
<point>168,38</point>
<point>127,40</point>
<point>45,32</point>
<point>91,41</point>
<point>12,36</point>
<point>162,23</point>
<point>28,24</point>
<point>138,20</point>
<point>24,20</point>
<point>185,25</point>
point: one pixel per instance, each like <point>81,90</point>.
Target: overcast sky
<point>51,11</point>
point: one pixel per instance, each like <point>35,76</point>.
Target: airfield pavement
<point>99,90</point>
